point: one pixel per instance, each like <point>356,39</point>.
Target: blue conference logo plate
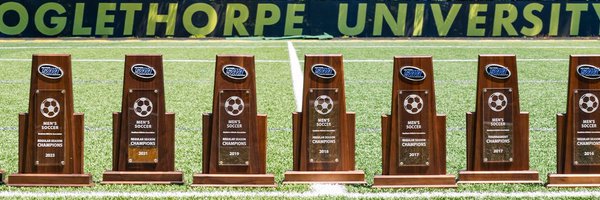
<point>50,71</point>
<point>143,71</point>
<point>497,71</point>
<point>412,73</point>
<point>588,71</point>
<point>323,71</point>
<point>235,72</point>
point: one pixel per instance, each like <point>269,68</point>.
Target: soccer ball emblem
<point>413,104</point>
<point>497,101</point>
<point>588,103</point>
<point>50,108</point>
<point>142,107</point>
<point>323,104</point>
<point>234,105</point>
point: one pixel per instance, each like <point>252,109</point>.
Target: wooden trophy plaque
<point>324,132</point>
<point>234,136</point>
<point>497,133</point>
<point>50,134</point>
<point>143,133</point>
<point>578,139</point>
<point>413,136</point>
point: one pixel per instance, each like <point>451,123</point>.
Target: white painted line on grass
<point>285,61</point>
<point>328,189</point>
<point>449,82</point>
<point>143,47</point>
<point>449,46</point>
<point>123,60</point>
<point>111,82</point>
<point>423,195</point>
<point>461,60</point>
<point>297,78</point>
<point>452,81</point>
<point>303,46</point>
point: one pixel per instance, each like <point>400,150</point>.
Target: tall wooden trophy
<point>50,134</point>
<point>578,141</point>
<point>324,132</point>
<point>143,133</point>
<point>497,133</point>
<point>234,136</point>
<point>413,136</point>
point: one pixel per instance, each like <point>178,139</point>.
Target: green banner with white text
<point>275,18</point>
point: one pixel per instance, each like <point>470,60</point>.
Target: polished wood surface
<point>142,177</point>
<point>433,126</point>
<point>254,173</point>
<point>162,168</point>
<point>234,180</point>
<point>499,177</point>
<point>70,171</point>
<point>567,173</point>
<point>414,181</point>
<point>49,180</point>
<point>346,141</point>
<point>332,177</point>
<point>573,180</point>
<point>343,169</point>
<point>477,170</point>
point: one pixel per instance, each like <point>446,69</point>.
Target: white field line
<point>144,47</point>
<point>286,61</point>
<point>123,60</point>
<point>424,195</point>
<point>443,81</point>
<point>297,78</point>
<point>460,60</point>
<point>328,189</point>
<point>111,82</point>
<point>451,46</point>
<point>303,46</point>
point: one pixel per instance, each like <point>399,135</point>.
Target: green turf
<point>188,90</point>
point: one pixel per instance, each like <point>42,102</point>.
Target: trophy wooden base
<point>414,181</point>
<point>50,180</point>
<point>516,177</point>
<point>335,177</point>
<point>142,177</point>
<point>573,180</point>
<point>234,180</point>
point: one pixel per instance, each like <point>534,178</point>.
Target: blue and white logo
<point>497,71</point>
<point>412,73</point>
<point>50,71</point>
<point>235,72</point>
<point>588,71</point>
<point>143,71</point>
<point>323,71</point>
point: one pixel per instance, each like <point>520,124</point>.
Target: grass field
<point>189,70</point>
